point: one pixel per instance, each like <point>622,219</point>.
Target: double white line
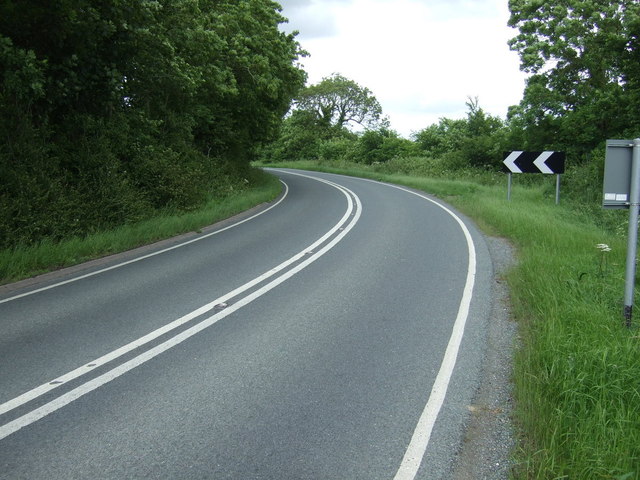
<point>282,272</point>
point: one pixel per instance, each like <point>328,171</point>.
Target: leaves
<point>583,58</point>
<point>476,141</point>
<point>338,102</point>
<point>22,80</point>
<point>157,102</point>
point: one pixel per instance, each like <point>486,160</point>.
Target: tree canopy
<point>585,70</point>
<point>339,102</point>
<point>323,117</point>
<point>112,109</point>
<point>476,141</point>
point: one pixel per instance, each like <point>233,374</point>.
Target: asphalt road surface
<point>336,333</point>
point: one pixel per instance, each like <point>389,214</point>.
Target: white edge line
<point>422,433</point>
<point>420,439</point>
<point>63,400</point>
<point>98,362</point>
<point>137,259</point>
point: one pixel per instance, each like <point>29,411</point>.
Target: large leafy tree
<point>583,59</point>
<point>324,116</point>
<point>338,102</point>
<point>248,74</point>
<point>111,109</point>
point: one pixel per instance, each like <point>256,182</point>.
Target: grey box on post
<point>617,174</point>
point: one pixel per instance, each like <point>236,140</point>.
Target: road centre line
<point>349,219</point>
<point>144,257</point>
<point>92,365</point>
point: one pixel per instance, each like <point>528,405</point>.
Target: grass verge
<point>577,369</point>
<point>24,262</point>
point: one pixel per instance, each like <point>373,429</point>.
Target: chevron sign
<point>534,162</point>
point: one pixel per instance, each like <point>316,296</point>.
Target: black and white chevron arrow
<point>534,162</point>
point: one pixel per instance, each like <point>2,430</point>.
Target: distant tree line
<point>583,59</point>
<point>112,110</point>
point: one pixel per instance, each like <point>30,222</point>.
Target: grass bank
<point>577,369</point>
<point>24,262</point>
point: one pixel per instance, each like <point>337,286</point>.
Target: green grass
<point>23,262</point>
<point>577,368</point>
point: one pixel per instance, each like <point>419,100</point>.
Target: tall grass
<point>577,373</point>
<point>22,262</point>
<point>577,368</point>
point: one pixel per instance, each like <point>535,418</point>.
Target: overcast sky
<point>421,59</point>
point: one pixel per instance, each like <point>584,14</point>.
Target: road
<point>335,334</point>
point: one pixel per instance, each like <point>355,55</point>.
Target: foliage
<point>337,149</point>
<point>477,141</point>
<point>318,126</point>
<point>583,57</point>
<point>440,138</point>
<point>110,111</point>
<point>383,145</point>
<point>24,261</point>
<point>300,138</point>
<point>338,102</point>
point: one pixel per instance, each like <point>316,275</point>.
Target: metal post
<point>509,187</point>
<point>634,204</point>
<point>557,189</point>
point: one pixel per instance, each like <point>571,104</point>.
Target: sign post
<point>622,190</point>
<point>534,162</point>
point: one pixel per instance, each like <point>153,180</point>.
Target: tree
<point>110,110</point>
<point>318,124</point>
<point>299,139</point>
<point>250,74</point>
<point>476,141</point>
<point>382,145</point>
<point>337,102</point>
<point>481,146</point>
<point>440,138</point>
<point>583,59</point>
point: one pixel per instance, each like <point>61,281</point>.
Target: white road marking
<point>84,369</point>
<point>422,433</point>
<point>137,259</point>
<point>89,386</point>
<point>420,440</point>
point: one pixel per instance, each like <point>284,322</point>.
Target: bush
<point>379,146</point>
<point>336,149</point>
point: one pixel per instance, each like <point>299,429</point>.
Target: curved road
<point>336,334</point>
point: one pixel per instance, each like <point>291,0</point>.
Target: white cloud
<point>422,59</point>
<point>312,19</point>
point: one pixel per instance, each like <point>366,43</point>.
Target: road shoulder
<point>489,439</point>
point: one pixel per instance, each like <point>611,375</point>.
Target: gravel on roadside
<point>486,453</point>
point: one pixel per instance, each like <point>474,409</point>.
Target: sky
<point>422,59</point>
